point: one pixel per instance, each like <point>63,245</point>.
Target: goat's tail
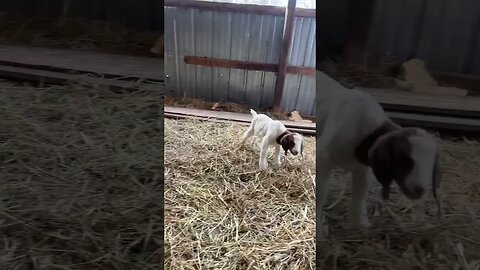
<point>254,113</point>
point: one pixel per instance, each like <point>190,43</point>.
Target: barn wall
<point>144,14</point>
<point>237,36</point>
<point>444,33</point>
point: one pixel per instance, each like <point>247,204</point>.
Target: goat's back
<point>345,116</point>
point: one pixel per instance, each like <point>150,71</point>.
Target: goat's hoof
<point>263,167</point>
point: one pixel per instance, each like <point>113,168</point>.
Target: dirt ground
<point>222,213</point>
<point>81,178</point>
<point>78,34</point>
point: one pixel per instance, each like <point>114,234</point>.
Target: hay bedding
<point>80,178</point>
<point>410,236</point>
<point>220,213</point>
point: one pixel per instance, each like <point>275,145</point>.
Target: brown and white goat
<point>354,133</point>
<point>272,132</point>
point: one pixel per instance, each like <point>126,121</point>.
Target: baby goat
<point>272,132</point>
<point>354,133</point>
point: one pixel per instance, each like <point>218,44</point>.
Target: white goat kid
<point>272,132</point>
<point>354,133</point>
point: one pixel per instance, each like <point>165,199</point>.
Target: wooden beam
<point>202,118</point>
<point>284,54</point>
<point>242,117</point>
<point>461,80</point>
<point>65,60</point>
<point>435,121</point>
<point>36,75</point>
<point>215,62</point>
<point>247,65</point>
<point>301,70</point>
<point>233,7</point>
<point>394,100</point>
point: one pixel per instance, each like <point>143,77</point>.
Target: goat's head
<point>292,142</point>
<point>409,156</point>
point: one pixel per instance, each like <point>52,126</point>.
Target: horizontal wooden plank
<point>113,65</point>
<point>247,65</point>
<point>301,70</point>
<point>403,119</point>
<point>215,62</point>
<point>241,117</point>
<point>430,104</point>
<point>234,7</point>
<point>435,121</point>
<point>36,75</point>
<point>183,116</point>
<point>461,80</point>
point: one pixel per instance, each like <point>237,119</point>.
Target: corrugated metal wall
<point>444,33</point>
<point>237,36</point>
<point>144,14</point>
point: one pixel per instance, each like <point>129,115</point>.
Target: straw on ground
<point>221,213</point>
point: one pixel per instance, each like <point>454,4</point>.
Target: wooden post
<point>284,54</point>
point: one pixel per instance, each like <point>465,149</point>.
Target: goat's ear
<point>287,142</point>
<point>301,147</point>
<point>382,164</point>
<point>437,176</point>
<point>437,170</point>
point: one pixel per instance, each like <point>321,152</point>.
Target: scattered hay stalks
<point>221,213</point>
<point>409,235</point>
<point>80,178</point>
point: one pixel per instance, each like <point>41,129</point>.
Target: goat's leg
<point>247,134</point>
<point>323,169</point>
<point>278,162</point>
<point>325,138</point>
<point>263,154</point>
<point>360,182</point>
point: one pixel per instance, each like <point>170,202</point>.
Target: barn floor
<point>404,235</point>
<point>80,178</point>
<point>221,213</point>
<point>410,236</point>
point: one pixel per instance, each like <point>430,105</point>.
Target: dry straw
<point>81,170</point>
<point>221,213</point>
<point>407,235</point>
